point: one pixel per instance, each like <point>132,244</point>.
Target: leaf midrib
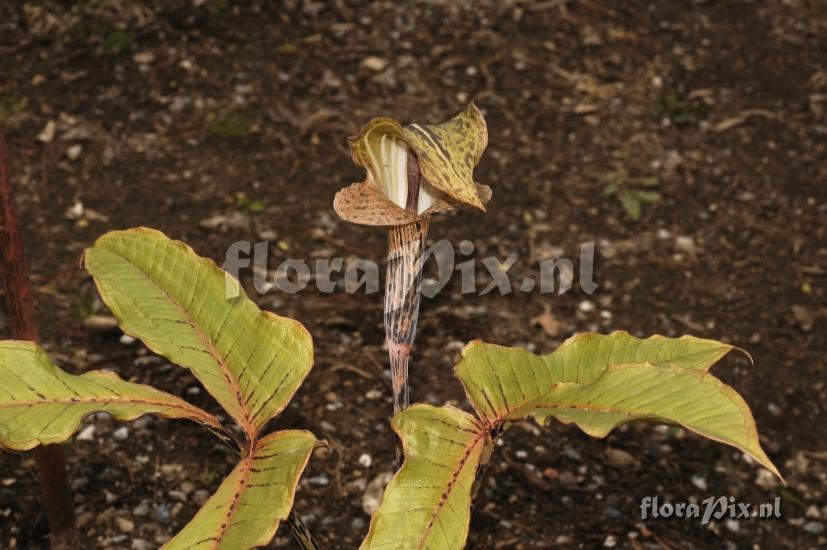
<point>242,483</point>
<point>478,438</point>
<point>245,421</point>
<point>103,401</point>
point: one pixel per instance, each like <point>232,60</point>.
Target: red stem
<point>20,306</point>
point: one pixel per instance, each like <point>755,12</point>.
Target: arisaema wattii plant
<point>413,172</point>
<point>251,361</point>
<point>594,381</point>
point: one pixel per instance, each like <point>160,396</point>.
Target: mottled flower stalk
<point>413,172</point>
<point>403,289</point>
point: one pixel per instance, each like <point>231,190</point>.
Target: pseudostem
<point>20,305</point>
<point>301,534</point>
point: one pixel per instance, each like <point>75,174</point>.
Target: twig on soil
<point>352,368</point>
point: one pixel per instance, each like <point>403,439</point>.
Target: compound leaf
<point>428,502</point>
<point>41,404</point>
<point>497,378</point>
<point>599,382</point>
<point>187,309</point>
<point>246,509</point>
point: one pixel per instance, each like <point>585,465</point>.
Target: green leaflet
<point>40,404</point>
<point>600,381</point>
<point>428,502</point>
<point>692,398</point>
<point>497,378</point>
<point>175,302</point>
<point>246,509</point>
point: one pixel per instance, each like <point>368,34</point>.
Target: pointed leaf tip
<point>40,404</point>
<point>599,381</point>
<point>163,293</point>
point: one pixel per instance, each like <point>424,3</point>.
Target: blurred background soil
<point>687,139</point>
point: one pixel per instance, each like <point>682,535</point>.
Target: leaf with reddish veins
<point>40,404</point>
<point>497,377</point>
<point>599,382</point>
<point>177,303</point>
<point>246,509</point>
<point>428,502</point>
<point>690,398</point>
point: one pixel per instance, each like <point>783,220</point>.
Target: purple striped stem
<point>402,293</point>
<point>402,289</point>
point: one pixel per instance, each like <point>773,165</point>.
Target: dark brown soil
<point>184,111</point>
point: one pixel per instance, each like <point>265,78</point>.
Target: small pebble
<point>87,433</point>
<point>200,497</point>
<point>126,340</point>
<point>365,460</point>
<point>142,509</point>
<point>586,306</point>
<point>568,478</point>
<point>620,458</point>
<point>814,527</point>
<point>320,479</point>
<point>766,480</point>
<point>73,152</point>
<point>612,513</point>
<point>374,63</point>
<point>100,323</point>
<point>121,434</point>
<point>79,483</point>
<point>125,524</point>
<point>373,492</point>
<point>162,514</point>
<point>143,422</point>
<point>699,482</point>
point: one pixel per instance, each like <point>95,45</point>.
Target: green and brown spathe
<point>416,170</point>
